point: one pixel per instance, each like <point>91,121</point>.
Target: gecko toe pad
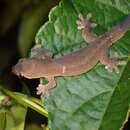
<point>43,90</point>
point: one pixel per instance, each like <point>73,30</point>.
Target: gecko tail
<point>125,25</point>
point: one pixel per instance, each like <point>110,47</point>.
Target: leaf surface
<point>12,115</point>
<point>96,100</point>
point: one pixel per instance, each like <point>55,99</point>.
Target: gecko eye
<point>22,60</point>
<point>20,67</point>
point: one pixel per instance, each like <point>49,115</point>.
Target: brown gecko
<point>77,62</point>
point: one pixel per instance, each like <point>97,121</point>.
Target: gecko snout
<point>24,67</point>
<point>17,69</point>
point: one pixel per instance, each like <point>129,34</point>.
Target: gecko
<point>42,65</point>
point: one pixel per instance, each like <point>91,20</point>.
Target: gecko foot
<point>84,22</point>
<point>43,90</point>
<point>114,65</point>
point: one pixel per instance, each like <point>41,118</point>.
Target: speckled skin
<point>77,62</point>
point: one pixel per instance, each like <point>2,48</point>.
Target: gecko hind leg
<point>43,90</point>
<point>83,23</point>
<point>40,53</point>
<point>111,63</point>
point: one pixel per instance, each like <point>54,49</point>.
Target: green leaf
<point>27,101</point>
<point>96,100</point>
<point>12,115</point>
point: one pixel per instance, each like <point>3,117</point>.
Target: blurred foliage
<point>12,114</point>
<point>19,22</point>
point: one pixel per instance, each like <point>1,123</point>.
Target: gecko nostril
<point>13,70</point>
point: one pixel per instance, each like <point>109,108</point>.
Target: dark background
<point>14,14</point>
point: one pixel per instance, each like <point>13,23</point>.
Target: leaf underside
<point>96,100</point>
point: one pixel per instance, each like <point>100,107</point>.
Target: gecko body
<point>77,62</point>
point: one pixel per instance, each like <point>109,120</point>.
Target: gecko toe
<point>114,65</point>
<point>115,55</point>
<point>93,25</point>
<point>40,86</point>
<point>89,16</point>
<point>78,22</point>
<point>80,27</point>
<point>41,89</point>
<point>81,17</point>
<point>46,94</point>
<point>122,62</point>
<point>108,68</point>
<point>111,67</point>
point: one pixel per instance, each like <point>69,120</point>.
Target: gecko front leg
<point>110,63</point>
<point>43,90</point>
<point>40,53</point>
<point>86,25</point>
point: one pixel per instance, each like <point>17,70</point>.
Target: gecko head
<point>23,67</point>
